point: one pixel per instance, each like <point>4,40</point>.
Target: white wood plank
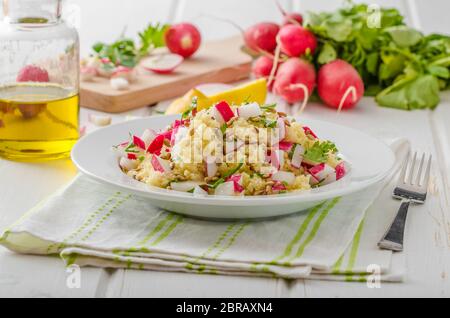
<point>244,13</point>
<point>133,283</point>
<point>22,186</point>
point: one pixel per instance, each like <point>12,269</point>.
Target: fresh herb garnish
<point>270,123</point>
<point>318,153</point>
<point>223,128</point>
<point>269,106</point>
<point>126,52</point>
<point>229,173</point>
<point>193,106</point>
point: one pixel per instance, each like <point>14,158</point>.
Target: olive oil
<point>37,121</point>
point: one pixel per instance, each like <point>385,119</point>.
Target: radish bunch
<point>286,52</point>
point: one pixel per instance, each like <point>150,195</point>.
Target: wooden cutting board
<point>218,61</point>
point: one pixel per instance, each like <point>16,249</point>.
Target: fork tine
<point>426,179</point>
<point>412,168</point>
<point>419,173</point>
<point>405,166</point>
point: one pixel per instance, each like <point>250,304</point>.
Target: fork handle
<point>393,239</point>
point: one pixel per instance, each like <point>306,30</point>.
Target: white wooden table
<point>23,185</point>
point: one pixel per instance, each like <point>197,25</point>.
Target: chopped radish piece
<point>297,156</point>
<point>313,181</point>
<point>238,188</point>
<point>250,110</point>
<point>127,73</point>
<point>284,176</point>
<point>321,171</point>
<point>119,83</point>
<point>162,64</point>
<point>185,186</point>
<point>159,164</point>
<point>277,158</point>
<point>148,136</point>
<point>281,128</point>
<point>131,156</point>
<point>167,134</point>
<point>226,188</point>
<point>329,179</point>
<point>340,171</point>
<point>138,142</point>
<point>87,73</point>
<point>200,191</point>
<point>100,120</point>
<point>308,131</point>
<point>128,164</point>
<point>179,133</point>
<point>211,167</point>
<point>278,186</point>
<point>156,145</point>
<point>225,111</point>
<point>285,146</point>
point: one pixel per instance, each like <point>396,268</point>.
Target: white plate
<point>371,161</point>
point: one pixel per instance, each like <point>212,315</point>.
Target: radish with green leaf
<point>296,41</point>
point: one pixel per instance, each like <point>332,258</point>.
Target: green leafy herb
<point>229,173</point>
<point>193,106</point>
<point>318,153</point>
<point>269,107</point>
<point>152,37</point>
<point>399,65</point>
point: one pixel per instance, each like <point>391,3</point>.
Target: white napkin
<point>90,224</point>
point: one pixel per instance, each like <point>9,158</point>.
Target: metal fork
<point>411,188</point>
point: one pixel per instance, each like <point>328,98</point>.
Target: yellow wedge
<point>255,91</point>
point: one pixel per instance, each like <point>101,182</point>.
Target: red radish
<point>290,18</point>
<point>167,134</point>
<point>262,67</point>
<point>296,41</point>
<point>278,187</point>
<point>321,171</point>
<point>284,176</point>
<point>138,142</point>
<point>159,164</point>
<point>336,80</point>
<point>156,145</point>
<point>131,156</point>
<point>128,164</point>
<point>293,18</point>
<point>238,188</point>
<point>225,111</point>
<point>183,39</point>
<point>297,156</point>
<point>33,73</point>
<point>226,188</point>
<point>277,158</point>
<point>184,186</point>
<point>250,110</point>
<point>292,75</point>
<point>148,136</point>
<point>309,132</point>
<point>162,64</point>
<point>262,37</point>
<point>340,171</point>
<point>285,146</point>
